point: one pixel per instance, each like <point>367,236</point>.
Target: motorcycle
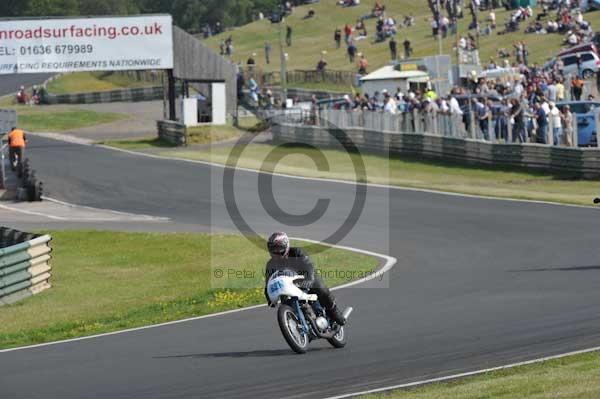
<point>300,316</point>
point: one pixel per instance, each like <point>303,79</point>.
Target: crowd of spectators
<point>520,103</point>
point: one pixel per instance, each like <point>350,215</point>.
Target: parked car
<point>580,48</point>
<point>584,111</point>
<point>331,103</point>
<point>590,63</point>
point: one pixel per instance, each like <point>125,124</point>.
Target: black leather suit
<point>300,263</point>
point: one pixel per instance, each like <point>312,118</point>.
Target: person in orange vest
<point>16,145</point>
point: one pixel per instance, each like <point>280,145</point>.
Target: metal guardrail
<point>24,266</point>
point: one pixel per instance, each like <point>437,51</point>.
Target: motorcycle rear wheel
<point>291,329</point>
<point>340,339</point>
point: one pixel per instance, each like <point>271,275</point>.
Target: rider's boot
<point>336,315</point>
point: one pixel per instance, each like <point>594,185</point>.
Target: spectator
<point>390,104</point>
<point>254,89</point>
<point>268,52</point>
<point>351,52</point>
<point>454,106</point>
<point>337,36</point>
<point>518,115</point>
<point>393,48</point>
<point>240,85</point>
<point>551,92</point>
<point>492,19</point>
<point>556,123</point>
<point>288,36</point>
<point>16,147</point>
<point>576,88</point>
<point>434,27</point>
<point>309,14</point>
<point>483,114</point>
<point>251,62</point>
<point>363,64</point>
<point>229,46</point>
<point>407,48</point>
<point>347,33</point>
<point>22,97</point>
<point>568,126</point>
<point>560,90</point>
<point>322,64</point>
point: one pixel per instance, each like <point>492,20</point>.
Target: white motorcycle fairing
<point>283,285</point>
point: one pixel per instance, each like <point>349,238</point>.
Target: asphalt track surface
<point>11,83</point>
<point>478,283</point>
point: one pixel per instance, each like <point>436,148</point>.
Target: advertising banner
<point>86,44</point>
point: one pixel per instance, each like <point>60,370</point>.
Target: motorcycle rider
<point>284,257</point>
<point>16,146</point>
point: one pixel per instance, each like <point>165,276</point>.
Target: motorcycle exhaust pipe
<point>347,312</point>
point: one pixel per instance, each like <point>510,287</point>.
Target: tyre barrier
<point>121,95</point>
<point>24,264</point>
<point>172,132</point>
<point>30,188</point>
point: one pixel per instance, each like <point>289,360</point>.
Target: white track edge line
<point>9,208</point>
<point>389,263</point>
<point>463,375</point>
<point>348,182</point>
<point>91,208</point>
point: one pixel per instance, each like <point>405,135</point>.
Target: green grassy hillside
<point>311,36</point>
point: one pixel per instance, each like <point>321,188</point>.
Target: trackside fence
<point>379,137</point>
<point>24,264</point>
<point>493,129</point>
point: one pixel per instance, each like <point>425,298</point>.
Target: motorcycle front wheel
<point>291,328</point>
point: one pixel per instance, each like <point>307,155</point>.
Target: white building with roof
<point>390,79</point>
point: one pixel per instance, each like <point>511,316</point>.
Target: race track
<point>478,283</point>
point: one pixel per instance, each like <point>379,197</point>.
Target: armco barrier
<point>24,264</point>
<point>128,95</point>
<point>172,132</point>
<point>580,162</point>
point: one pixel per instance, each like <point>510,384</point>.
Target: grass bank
<point>83,82</point>
<point>313,35</point>
<point>107,281</point>
<point>573,377</point>
<point>408,171</point>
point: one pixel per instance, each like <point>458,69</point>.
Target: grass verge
<point>83,82</point>
<point>107,281</point>
<point>572,377</point>
<point>206,134</point>
<point>411,172</point>
<point>49,119</point>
